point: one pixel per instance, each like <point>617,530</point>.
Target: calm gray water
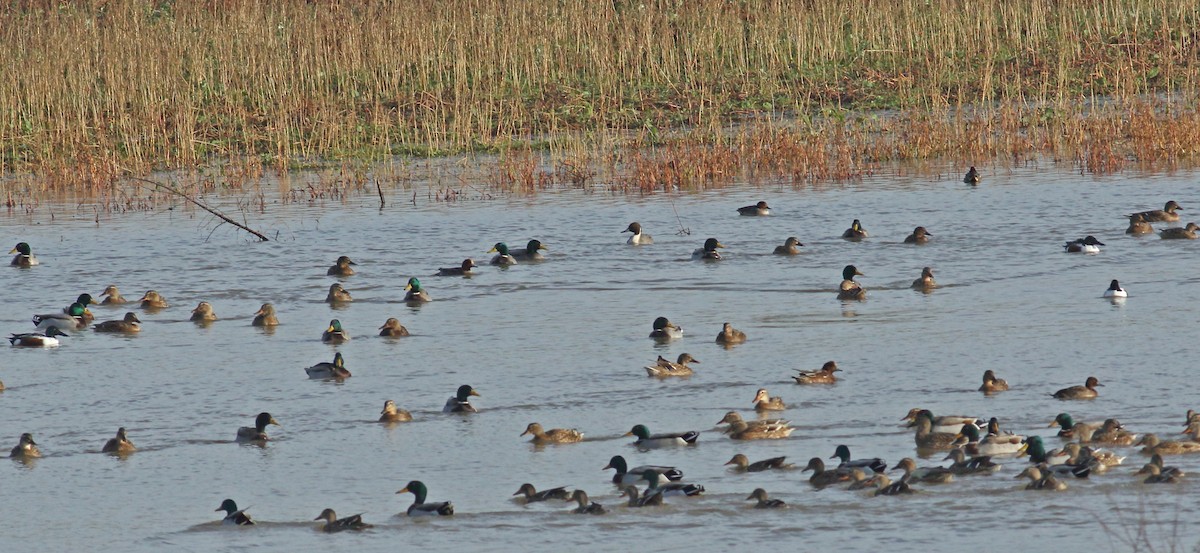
<point>563,343</point>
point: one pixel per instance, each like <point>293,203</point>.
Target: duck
<point>821,477</point>
<point>1156,476</point>
<point>334,333</point>
<point>1115,290</point>
<point>415,293</point>
<point>1086,391</point>
<point>926,438</point>
<point>112,296</point>
<point>657,487</point>
<point>335,524</point>
<point>925,282</point>
<point>463,270</point>
<point>1166,214</point>
<point>153,300</point>
<point>532,495</point>
<point>638,238</point>
<point>341,267</point>
<point>975,465</point>
<point>24,257</point>
<point>1071,429</point>
<point>855,233</point>
<point>992,384</point>
<point>849,289</point>
<point>1151,444</point>
<point>203,312</point>
<point>257,433</point>
<point>74,317</point>
<point>1088,244</point>
<point>789,247</point>
<point>1185,233</point>
<point>823,376</point>
<point>48,339</point>
<point>531,251</point>
<point>391,413</point>
<point>626,475</point>
<point>843,452</point>
<point>1138,225</point>
<point>972,176</point>
<point>943,423</point>
<point>887,487</point>
<point>129,324</point>
<point>392,328</point>
<point>989,445</point>
<point>26,448</point>
<point>233,515</point>
<point>337,294</point>
<point>759,430</point>
<point>763,501</point>
<point>1156,460</point>
<point>459,402</point>
<point>709,251</point>
<point>265,316</point>
<point>742,464</point>
<point>325,370</point>
<point>730,336</point>
<point>419,507</point>
<point>119,444</point>
<point>502,258</point>
<point>859,480</point>
<point>1038,481</point>
<point>649,500</point>
<point>1036,450</point>
<point>732,417</point>
<point>552,436</point>
<point>919,236</point>
<point>586,505</point>
<point>1113,433</point>
<point>646,440</point>
<point>1099,459</point>
<point>664,329</point>
<point>1193,428</point>
<point>84,300</point>
<point>764,402</point>
<point>757,210</point>
<point>664,368</point>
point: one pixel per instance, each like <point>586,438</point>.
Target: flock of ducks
<point>971,442</point>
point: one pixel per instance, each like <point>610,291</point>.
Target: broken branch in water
<point>200,205</point>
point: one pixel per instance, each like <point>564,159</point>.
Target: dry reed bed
<point>95,90</point>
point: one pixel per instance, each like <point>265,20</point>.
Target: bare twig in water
<point>682,231</point>
<point>379,188</point>
<point>200,205</point>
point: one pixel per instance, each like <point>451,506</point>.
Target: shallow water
<point>562,343</point>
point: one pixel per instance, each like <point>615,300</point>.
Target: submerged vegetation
<point>655,94</point>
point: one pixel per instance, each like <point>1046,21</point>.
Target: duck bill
<point>627,434</point>
<point>407,287</point>
<point>492,250</point>
<point>1023,450</point>
<point>474,393</point>
<point>403,490</point>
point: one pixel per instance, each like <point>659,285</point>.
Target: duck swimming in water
<point>849,289</point>
<point>1165,215</point>
<point>265,316</point>
<point>552,436</point>
<point>335,334</point>
<point>325,370</point>
<point>1115,290</point>
<point>531,251</point>
<point>709,251</point>
<point>991,384</point>
<point>233,515</point>
<point>341,267</point>
<point>730,336</point>
<point>24,257</point>
<point>257,433</point>
<point>415,293</point>
<point>119,444</point>
<point>926,281</point>
<point>130,324</point>
<point>757,210</point>
<point>1185,233</point>
<point>789,247</point>
<point>502,257</point>
<point>392,328</point>
<point>112,296</point>
<point>1088,244</point>
<point>460,401</point>
<point>855,233</point>
<point>1138,225</point>
<point>1085,391</point>
<point>419,507</point>
<point>638,238</point>
<point>337,294</point>
<point>48,339</point>
<point>972,176</point>
<point>462,270</point>
<point>919,236</point>
<point>664,329</point>
<point>664,368</point>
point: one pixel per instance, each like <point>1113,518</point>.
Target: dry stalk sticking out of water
<point>201,205</point>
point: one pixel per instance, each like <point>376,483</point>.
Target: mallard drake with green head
<point>74,318</point>
<point>856,232</point>
<point>638,238</point>
<point>1138,225</point>
<point>991,384</point>
<point>338,294</point>
<point>1036,450</point>
<point>552,436</point>
<point>265,316</point>
<point>502,257</point>
<point>326,371</point>
<point>119,444</point>
<point>1039,481</point>
<point>823,376</point>
<point>626,475</point>
<point>257,433</point>
<point>414,293</point>
<point>763,501</point>
<point>975,465</point>
<point>842,452</point>
<point>341,267</point>
<point>1185,233</point>
<point>532,495</point>
<point>919,236</point>
<point>646,440</point>
<point>972,176</point>
<point>49,339</point>
<point>849,289</point>
<point>392,328</point>
<point>203,313</point>
<point>460,401</point>
<point>742,464</point>
<point>129,324</point>
<point>153,300</point>
<point>335,524</point>
<point>1086,391</point>
<point>391,413</point>
<point>760,209</point>
<point>990,445</point>
<point>233,515</point>
<point>925,282</point>
<point>334,333</point>
<point>664,368</point>
<point>730,336</point>
<point>531,251</point>
<point>664,329</point>
<point>764,402</point>
<point>1166,214</point>
<point>789,247</point>
<point>1070,429</point>
<point>821,477</point>
<point>463,270</point>
<point>24,257</point>
<point>112,296</point>
<point>709,251</point>
<point>650,500</point>
<point>419,507</point>
<point>26,448</point>
<point>586,505</point>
